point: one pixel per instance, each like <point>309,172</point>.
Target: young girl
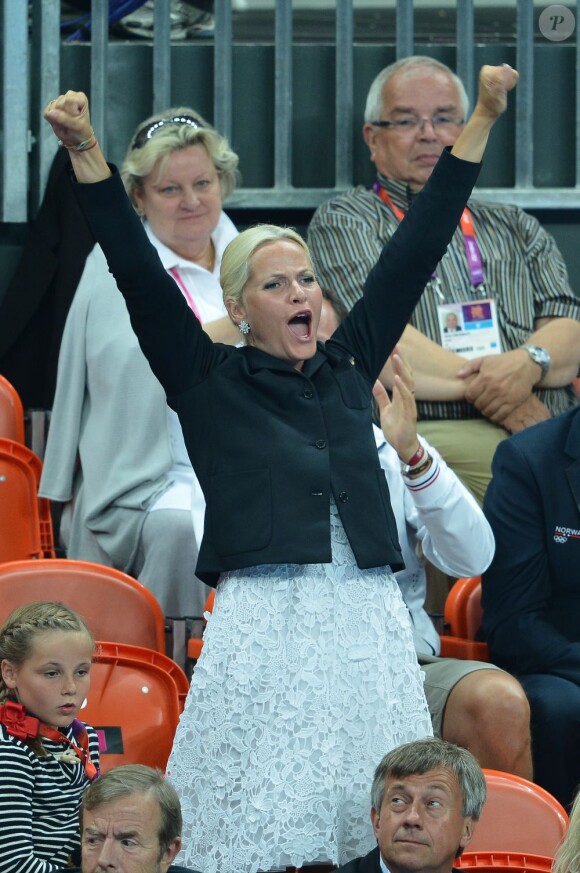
<point>47,756</point>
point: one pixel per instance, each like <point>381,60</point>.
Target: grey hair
<point>410,67</point>
<point>567,858</point>
<point>236,263</point>
<point>129,779</point>
<point>139,162</point>
<point>419,757</point>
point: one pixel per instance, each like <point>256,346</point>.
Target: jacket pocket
<point>240,509</point>
<point>354,389</point>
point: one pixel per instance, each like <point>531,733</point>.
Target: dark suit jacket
<point>531,592</point>
<point>371,863</point>
<point>270,443</point>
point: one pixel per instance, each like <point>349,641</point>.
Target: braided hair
<point>18,634</point>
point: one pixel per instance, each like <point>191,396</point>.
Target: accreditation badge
<point>470,328</point>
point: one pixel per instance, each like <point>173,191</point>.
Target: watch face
<point>540,356</point>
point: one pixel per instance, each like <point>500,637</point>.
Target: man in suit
<point>531,591</point>
<point>426,799</point>
<point>130,823</point>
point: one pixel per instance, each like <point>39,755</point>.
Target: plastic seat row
<point>137,692</point>
<point>25,518</point>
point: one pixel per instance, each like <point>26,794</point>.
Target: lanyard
<point>175,273</point>
<point>22,726</point>
<point>81,747</point>
<point>472,251</point>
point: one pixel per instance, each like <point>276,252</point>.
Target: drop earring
<point>244,327</point>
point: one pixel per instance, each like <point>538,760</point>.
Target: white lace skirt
<point>308,677</point>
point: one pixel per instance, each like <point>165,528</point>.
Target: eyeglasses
<point>439,123</point>
<point>145,134</point>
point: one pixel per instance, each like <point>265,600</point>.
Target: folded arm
<point>497,384</point>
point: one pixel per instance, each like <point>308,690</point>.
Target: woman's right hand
<point>68,115</point>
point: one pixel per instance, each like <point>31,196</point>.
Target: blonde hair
<point>144,153</point>
<point>567,858</point>
<point>236,266</point>
<point>20,630</point>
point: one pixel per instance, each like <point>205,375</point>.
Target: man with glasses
<point>503,278</point>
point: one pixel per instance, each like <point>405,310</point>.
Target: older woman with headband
<point>308,673</point>
<point>115,455</point>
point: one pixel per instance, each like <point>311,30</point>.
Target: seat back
<point>19,514</point>
<point>518,816</point>
<point>11,412</point>
<point>115,606</point>
<point>463,611</point>
<point>25,518</point>
<point>134,705</point>
<point>463,616</point>
<point>149,656</point>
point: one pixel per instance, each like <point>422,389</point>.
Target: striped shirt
<point>523,271</point>
<point>39,804</point>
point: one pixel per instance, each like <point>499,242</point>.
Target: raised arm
<point>68,115</point>
<point>494,85</point>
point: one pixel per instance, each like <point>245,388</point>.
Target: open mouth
<point>301,325</point>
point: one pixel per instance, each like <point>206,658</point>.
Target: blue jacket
<point>531,592</point>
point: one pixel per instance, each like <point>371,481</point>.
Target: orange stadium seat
<point>25,520</point>
<point>195,644</point>
<point>503,862</point>
<point>11,412</point>
<point>463,616</point>
<point>134,704</point>
<point>115,606</point>
<point>519,816</point>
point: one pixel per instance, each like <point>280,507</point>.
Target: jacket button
<point>343,496</point>
<point>308,394</point>
<point>320,444</point>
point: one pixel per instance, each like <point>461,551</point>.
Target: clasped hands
<point>500,387</point>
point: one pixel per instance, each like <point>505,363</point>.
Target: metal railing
<point>34,60</point>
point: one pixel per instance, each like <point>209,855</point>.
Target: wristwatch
<point>540,356</point>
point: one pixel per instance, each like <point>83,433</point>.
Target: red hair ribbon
<point>17,723</point>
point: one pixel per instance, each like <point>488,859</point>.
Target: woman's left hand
<point>399,416</point>
<point>494,85</point>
